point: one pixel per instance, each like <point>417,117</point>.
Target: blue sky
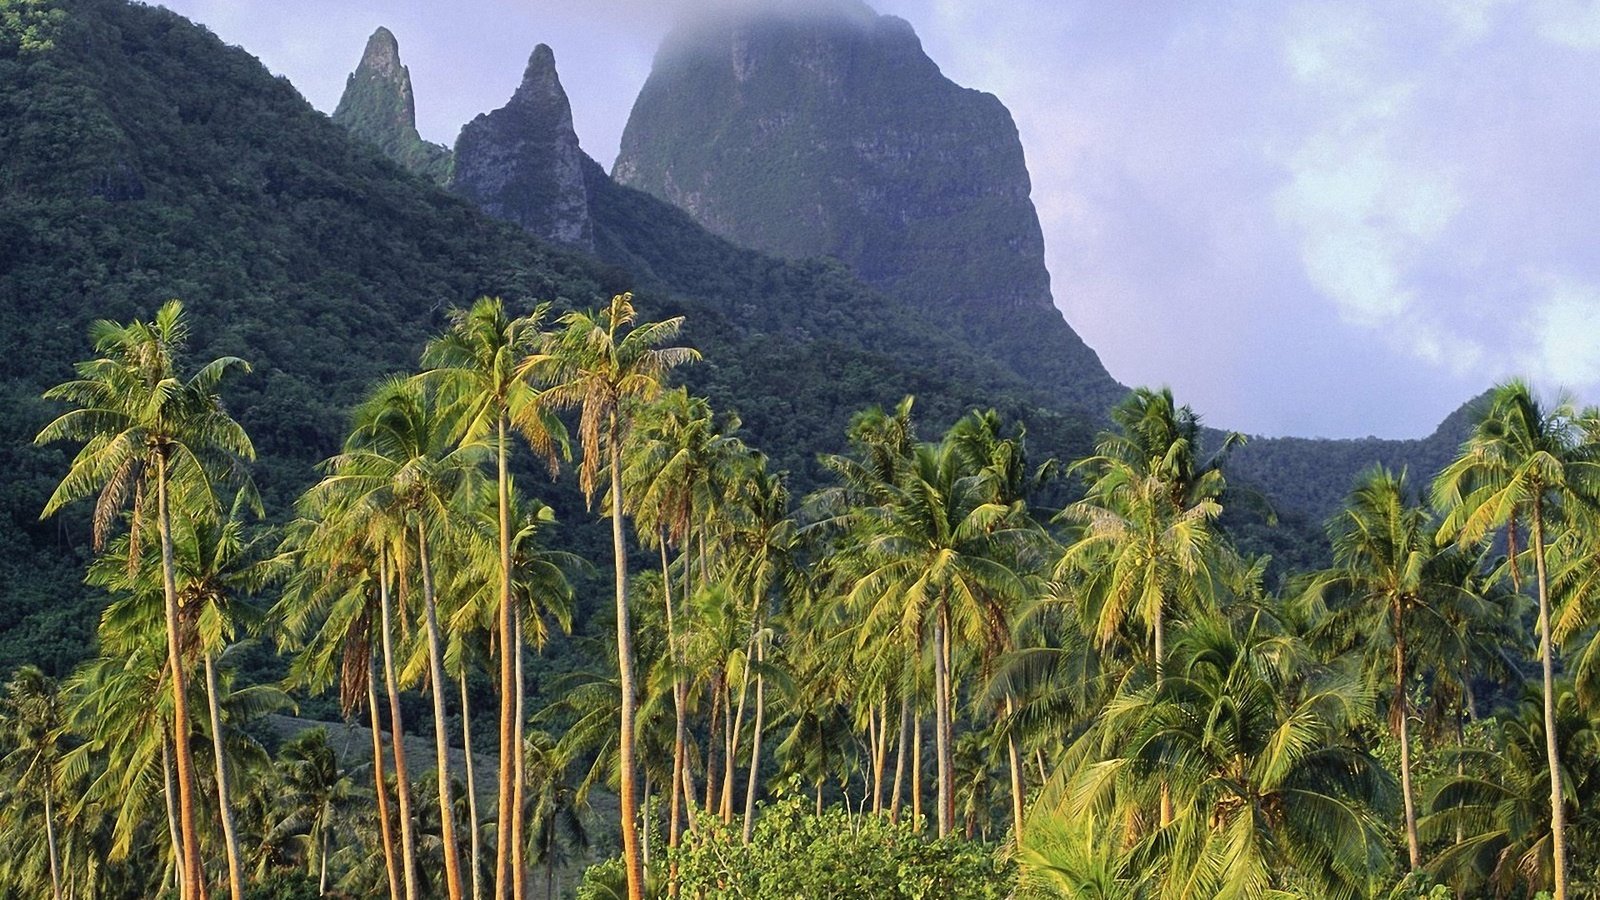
<point>1307,218</point>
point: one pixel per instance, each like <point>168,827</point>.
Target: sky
<point>1307,218</point>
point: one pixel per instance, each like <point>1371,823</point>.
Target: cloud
<point>1562,349</point>
<point>1569,23</point>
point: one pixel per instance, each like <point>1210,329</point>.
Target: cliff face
<point>378,106</point>
<point>522,163</point>
<point>832,133</point>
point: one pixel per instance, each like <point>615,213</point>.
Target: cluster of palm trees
<point>1113,691</point>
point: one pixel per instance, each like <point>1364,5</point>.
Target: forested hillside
<point>141,159</point>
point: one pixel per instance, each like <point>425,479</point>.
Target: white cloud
<point>1570,23</point>
<point>1562,349</point>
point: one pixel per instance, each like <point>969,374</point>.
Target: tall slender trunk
<point>50,839</point>
<point>169,792</point>
<point>880,760</point>
<point>714,746</point>
<point>441,743</point>
<point>678,736</point>
<point>476,868</point>
<point>629,803</point>
<point>900,759</point>
<point>733,741</point>
<point>397,733</point>
<point>519,775</point>
<point>1014,756</point>
<point>504,865</point>
<point>1160,666</point>
<point>390,865</point>
<point>224,788</point>
<point>943,731</point>
<point>644,839</point>
<point>1558,813</point>
<point>916,768</point>
<point>1402,702</point>
<point>755,744</point>
<point>194,877</point>
<point>322,862</point>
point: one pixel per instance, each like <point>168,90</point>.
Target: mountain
<point>379,106</point>
<point>522,163</point>
<point>142,159</point>
<point>829,132</point>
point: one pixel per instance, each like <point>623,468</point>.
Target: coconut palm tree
<point>400,459</point>
<point>142,420</point>
<point>1524,462</point>
<point>482,362</point>
<point>1270,787</point>
<point>601,364</point>
<point>315,791</point>
<point>1381,597</point>
<point>31,734</point>
<point>1490,810</point>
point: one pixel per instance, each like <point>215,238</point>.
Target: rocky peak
<point>379,107</point>
<point>829,132</point>
<point>522,162</point>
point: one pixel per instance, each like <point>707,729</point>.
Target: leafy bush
<point>795,853</point>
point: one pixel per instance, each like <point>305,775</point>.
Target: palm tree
<point>315,790</point>
<point>1270,787</point>
<point>400,459</point>
<point>1380,597</point>
<point>483,360</point>
<point>601,364</point>
<point>142,420</point>
<point>1523,462</point>
<point>31,732</point>
<point>1491,811</point>
<point>940,556</point>
<point>332,616</point>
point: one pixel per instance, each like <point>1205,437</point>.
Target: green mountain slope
<point>141,159</point>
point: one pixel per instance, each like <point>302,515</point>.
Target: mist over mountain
<point>831,133</point>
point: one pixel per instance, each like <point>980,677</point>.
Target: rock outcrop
<point>522,162</point>
<point>830,132</point>
<point>379,107</point>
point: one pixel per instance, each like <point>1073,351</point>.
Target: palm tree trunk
<point>389,863</point>
<point>880,753</point>
<point>916,768</point>
<point>629,803</point>
<point>714,744</point>
<point>1558,814</point>
<point>441,743</point>
<point>1402,702</point>
<point>519,780</point>
<point>755,746</point>
<point>397,734</point>
<point>1160,666</point>
<point>169,792</point>
<point>734,732</point>
<point>322,863</point>
<point>733,742</point>
<point>1018,793</point>
<point>224,790</point>
<point>50,840</point>
<point>193,869</point>
<point>678,737</point>
<point>900,759</point>
<point>942,729</point>
<point>504,864</point>
<point>472,792</point>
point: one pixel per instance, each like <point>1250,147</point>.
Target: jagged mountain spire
<point>378,106</point>
<point>522,162</point>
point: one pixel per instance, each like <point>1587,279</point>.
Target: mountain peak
<point>828,131</point>
<point>382,55</point>
<point>379,107</point>
<point>522,162</point>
